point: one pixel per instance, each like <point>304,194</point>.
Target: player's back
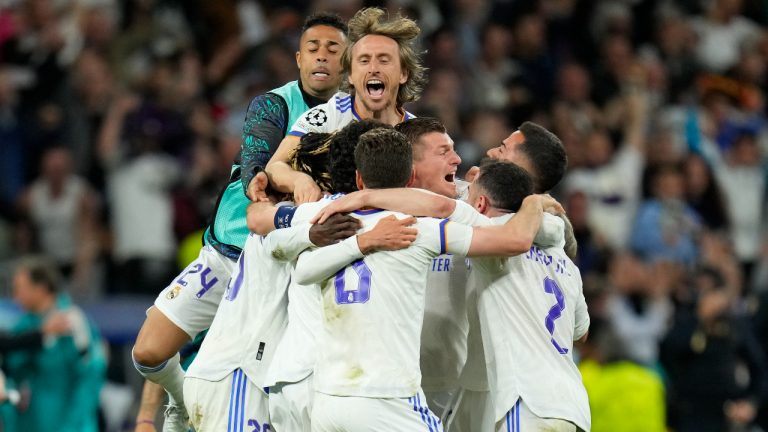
<point>531,309</point>
<point>251,317</point>
<point>372,315</point>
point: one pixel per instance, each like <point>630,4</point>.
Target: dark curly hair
<point>311,157</point>
<point>342,155</point>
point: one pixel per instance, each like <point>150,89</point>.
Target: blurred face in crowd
<point>669,185</point>
<point>509,151</point>
<point>435,163</point>
<point>26,293</point>
<point>376,72</point>
<point>319,60</point>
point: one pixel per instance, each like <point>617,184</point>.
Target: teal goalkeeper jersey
<point>267,121</point>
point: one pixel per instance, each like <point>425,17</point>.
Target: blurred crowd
<point>119,121</point>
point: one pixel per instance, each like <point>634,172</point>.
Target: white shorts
<point>290,405</point>
<point>362,414</point>
<point>440,402</point>
<point>233,404</point>
<point>191,300</point>
<point>521,419</point>
<point>472,412</point>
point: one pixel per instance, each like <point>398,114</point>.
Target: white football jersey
<point>252,316</point>
<point>373,311</point>
<point>331,116</point>
<point>531,309</point>
<point>444,332</point>
<point>296,353</point>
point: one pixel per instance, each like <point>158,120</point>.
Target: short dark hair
<point>42,271</point>
<point>327,19</point>
<point>504,183</point>
<point>341,159</point>
<point>384,159</point>
<point>547,154</point>
<point>311,157</point>
<point>415,128</point>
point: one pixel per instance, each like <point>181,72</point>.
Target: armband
<point>284,216</point>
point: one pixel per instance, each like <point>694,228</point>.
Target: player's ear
<point>298,59</point>
<point>359,180</point>
<point>482,204</point>
<point>412,180</point>
<point>403,76</point>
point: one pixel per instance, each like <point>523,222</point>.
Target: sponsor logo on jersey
<point>173,293</point>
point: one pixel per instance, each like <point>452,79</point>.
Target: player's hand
<point>306,190</point>
<point>551,205</point>
<point>335,229</point>
<point>58,323</point>
<point>257,188</point>
<point>345,204</point>
<point>390,233</point>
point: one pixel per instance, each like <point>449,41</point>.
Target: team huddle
<point>388,295</point>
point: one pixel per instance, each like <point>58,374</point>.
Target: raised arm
<point>417,202</point>
<point>390,233</point>
<point>514,237</point>
<point>264,128</point>
<point>284,179</point>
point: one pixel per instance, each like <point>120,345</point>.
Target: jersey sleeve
<point>582,315</point>
<point>314,120</point>
<point>467,215</point>
<point>551,232</point>
<point>265,126</point>
<point>317,265</point>
<point>441,236</point>
<point>286,244</point>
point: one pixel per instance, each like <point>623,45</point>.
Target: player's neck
<point>493,212</point>
<point>390,115</point>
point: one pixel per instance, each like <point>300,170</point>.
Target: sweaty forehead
<point>431,141</point>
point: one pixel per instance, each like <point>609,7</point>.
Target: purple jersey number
<point>237,281</point>
<point>363,291</point>
<point>551,287</point>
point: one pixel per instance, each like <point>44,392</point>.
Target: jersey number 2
<point>363,291</point>
<point>551,287</point>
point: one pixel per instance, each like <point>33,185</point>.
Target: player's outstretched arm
<point>390,233</point>
<point>412,201</point>
<point>514,237</point>
<point>286,244</point>
<point>283,178</point>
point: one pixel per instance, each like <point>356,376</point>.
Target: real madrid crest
<point>173,293</point>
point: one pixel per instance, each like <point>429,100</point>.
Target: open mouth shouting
<point>451,178</point>
<point>375,88</point>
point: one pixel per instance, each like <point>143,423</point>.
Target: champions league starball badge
<point>316,117</point>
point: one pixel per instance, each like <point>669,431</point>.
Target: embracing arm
<point>390,233</point>
<point>514,237</point>
<point>416,202</point>
<point>285,179</point>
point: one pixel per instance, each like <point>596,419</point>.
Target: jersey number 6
<point>363,291</point>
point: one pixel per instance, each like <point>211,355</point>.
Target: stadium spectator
<point>63,378</point>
